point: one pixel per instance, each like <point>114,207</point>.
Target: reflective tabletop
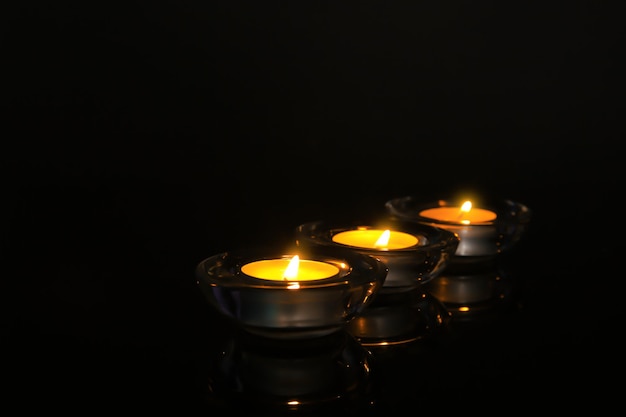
<point>140,139</point>
<point>103,310</point>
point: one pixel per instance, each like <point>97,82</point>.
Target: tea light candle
<point>413,253</point>
<point>382,243</point>
<point>483,232</point>
<point>276,294</point>
<point>474,226</point>
<point>465,214</point>
<point>293,269</point>
<point>375,239</point>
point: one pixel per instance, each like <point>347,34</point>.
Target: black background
<point>140,139</point>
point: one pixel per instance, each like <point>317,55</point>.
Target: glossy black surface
<point>146,138</point>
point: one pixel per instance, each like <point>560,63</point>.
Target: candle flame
<point>466,207</point>
<point>292,269</point>
<point>383,240</point>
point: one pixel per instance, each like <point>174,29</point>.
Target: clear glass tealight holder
<point>484,232</point>
<point>413,253</point>
<point>255,288</point>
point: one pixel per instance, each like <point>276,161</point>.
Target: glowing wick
<point>292,269</point>
<point>466,207</point>
<point>383,240</point>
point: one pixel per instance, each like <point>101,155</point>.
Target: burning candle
<point>465,214</point>
<point>279,295</point>
<point>483,232</point>
<point>293,269</point>
<point>391,246</point>
<point>375,239</point>
<point>413,253</point>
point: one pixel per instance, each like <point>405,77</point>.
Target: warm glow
<point>375,239</point>
<point>383,240</point>
<point>293,269</point>
<point>465,214</point>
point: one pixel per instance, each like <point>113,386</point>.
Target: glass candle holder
<point>252,288</point>
<point>493,228</point>
<point>414,253</point>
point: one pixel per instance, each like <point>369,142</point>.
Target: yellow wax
<point>459,215</point>
<point>369,239</point>
<point>275,270</point>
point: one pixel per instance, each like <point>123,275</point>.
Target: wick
<point>465,208</point>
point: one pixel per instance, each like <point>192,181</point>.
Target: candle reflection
<point>257,374</point>
<point>399,317</point>
<point>472,291</point>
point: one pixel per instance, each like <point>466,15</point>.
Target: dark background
<point>140,139</point>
